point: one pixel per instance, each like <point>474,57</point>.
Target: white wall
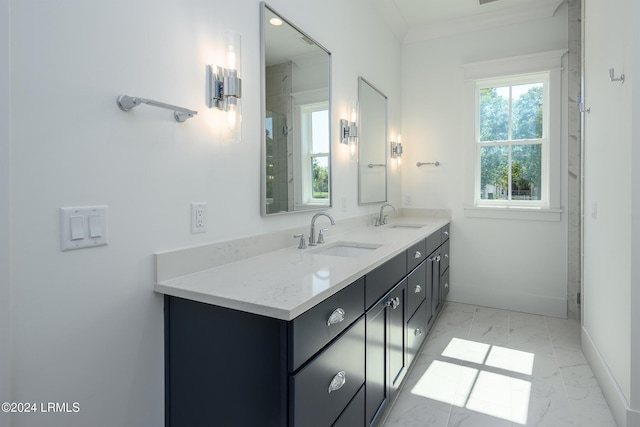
<point>511,264</point>
<point>5,223</point>
<point>87,326</point>
<point>611,211</point>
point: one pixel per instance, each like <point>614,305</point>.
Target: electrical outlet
<point>408,199</point>
<point>198,217</point>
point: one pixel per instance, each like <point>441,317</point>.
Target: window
<point>512,147</point>
<point>514,132</point>
<point>315,152</point>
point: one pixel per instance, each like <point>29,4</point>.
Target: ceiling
<point>425,19</point>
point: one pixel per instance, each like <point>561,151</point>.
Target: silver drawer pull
<point>418,289</point>
<point>393,303</point>
<point>417,332</point>
<point>446,233</point>
<point>446,285</point>
<point>338,381</point>
<point>417,255</point>
<point>446,256</point>
<point>336,317</point>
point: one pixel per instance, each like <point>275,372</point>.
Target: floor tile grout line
<point>555,357</point>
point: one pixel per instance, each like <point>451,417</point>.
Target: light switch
<point>76,224</point>
<point>95,226</point>
<point>83,227</point>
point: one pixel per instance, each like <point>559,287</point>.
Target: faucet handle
<point>384,219</point>
<point>303,242</point>
<point>321,235</point>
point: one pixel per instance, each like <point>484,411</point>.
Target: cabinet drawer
<point>316,327</point>
<point>312,402</point>
<point>380,280</point>
<point>416,332</point>
<point>444,256</point>
<point>445,285</point>
<point>445,233</point>
<point>353,416</point>
<point>416,288</point>
<point>433,241</point>
<point>416,254</point>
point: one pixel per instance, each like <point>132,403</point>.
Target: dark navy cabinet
<point>340,364</point>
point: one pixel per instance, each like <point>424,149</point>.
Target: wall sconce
<point>349,132</point>
<point>396,150</point>
<point>224,87</point>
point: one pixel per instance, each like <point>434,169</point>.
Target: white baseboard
<point>623,415</point>
<point>513,301</point>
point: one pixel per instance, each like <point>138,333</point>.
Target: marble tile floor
<point>484,367</point>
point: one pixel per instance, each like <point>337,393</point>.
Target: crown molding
<point>505,17</point>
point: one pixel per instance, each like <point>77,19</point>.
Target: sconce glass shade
<point>349,133</point>
<point>225,87</point>
<point>396,151</point>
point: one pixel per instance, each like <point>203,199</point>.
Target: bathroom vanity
<point>328,346</point>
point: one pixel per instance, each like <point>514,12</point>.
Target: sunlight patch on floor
<point>498,395</point>
<point>501,396</point>
<point>446,382</point>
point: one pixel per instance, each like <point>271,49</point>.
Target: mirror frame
<point>263,108</point>
<point>362,80</point>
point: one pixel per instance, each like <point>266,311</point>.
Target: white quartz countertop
<point>285,283</point>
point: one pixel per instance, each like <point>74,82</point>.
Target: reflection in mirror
<point>296,149</point>
<point>372,155</point>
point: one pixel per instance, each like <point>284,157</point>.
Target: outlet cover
<point>198,217</point>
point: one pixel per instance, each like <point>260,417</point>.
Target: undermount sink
<point>345,249</point>
<point>405,226</point>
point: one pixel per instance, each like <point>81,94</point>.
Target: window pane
<point>320,131</point>
<point>527,111</point>
<point>494,170</point>
<point>320,177</point>
<point>494,114</point>
<point>526,171</point>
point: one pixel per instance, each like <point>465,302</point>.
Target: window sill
<point>513,212</point>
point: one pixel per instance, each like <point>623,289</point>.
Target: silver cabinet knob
<point>418,289</point>
<point>437,259</point>
<point>417,255</point>
<point>446,256</point>
<point>446,233</point>
<point>338,381</point>
<point>336,317</point>
<point>417,332</point>
<point>446,285</point>
<point>393,303</point>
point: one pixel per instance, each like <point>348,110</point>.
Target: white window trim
<point>546,62</point>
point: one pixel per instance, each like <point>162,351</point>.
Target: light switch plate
<point>79,224</point>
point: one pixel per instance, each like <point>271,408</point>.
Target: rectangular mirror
<point>372,150</point>
<point>296,113</point>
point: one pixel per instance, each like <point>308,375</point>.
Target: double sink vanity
<point>321,336</point>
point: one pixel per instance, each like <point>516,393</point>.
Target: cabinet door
<point>396,329</point>
<point>435,283</point>
<point>377,390</point>
<point>429,305</point>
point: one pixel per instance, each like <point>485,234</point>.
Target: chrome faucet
<point>312,236</point>
<point>382,219</point>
